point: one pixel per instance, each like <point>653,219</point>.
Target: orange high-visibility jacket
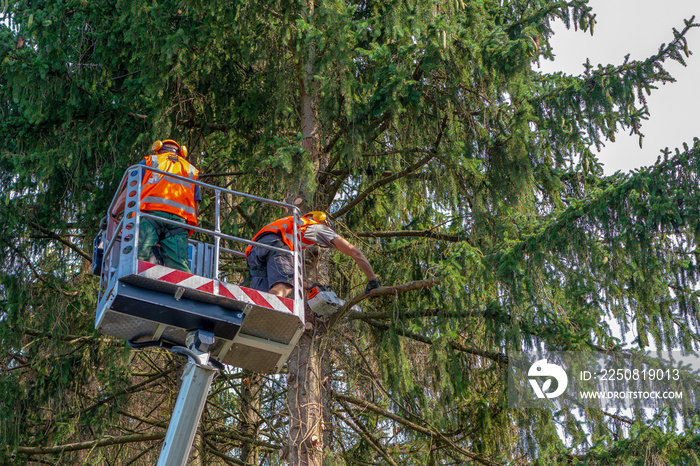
<point>170,195</point>
<point>285,228</point>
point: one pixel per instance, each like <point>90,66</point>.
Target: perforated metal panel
<point>127,327</point>
<point>270,325</point>
<point>254,359</point>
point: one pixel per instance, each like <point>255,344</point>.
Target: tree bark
<point>304,396</point>
<point>305,382</point>
<point>250,416</point>
<point>197,453</point>
<point>91,444</point>
<point>305,379</point>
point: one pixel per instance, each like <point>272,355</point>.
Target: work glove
<point>104,222</point>
<point>371,285</point>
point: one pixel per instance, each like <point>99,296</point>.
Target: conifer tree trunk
<point>197,451</point>
<point>250,415</point>
<point>304,380</point>
<point>305,401</point>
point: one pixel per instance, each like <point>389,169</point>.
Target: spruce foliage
<point>438,148</point>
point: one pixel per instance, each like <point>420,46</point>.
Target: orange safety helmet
<point>170,146</point>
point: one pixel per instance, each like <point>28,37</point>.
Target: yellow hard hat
<point>170,144</point>
<point>317,215</point>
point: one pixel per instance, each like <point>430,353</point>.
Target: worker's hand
<point>371,285</point>
<point>104,222</point>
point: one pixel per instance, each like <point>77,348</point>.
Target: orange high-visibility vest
<point>285,228</point>
<point>170,195</point>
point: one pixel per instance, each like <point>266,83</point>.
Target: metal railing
<point>120,257</point>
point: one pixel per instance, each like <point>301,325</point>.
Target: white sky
<point>639,27</point>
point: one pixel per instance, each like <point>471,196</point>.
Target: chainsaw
<point>323,301</point>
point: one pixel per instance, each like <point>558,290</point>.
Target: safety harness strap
<point>163,231</point>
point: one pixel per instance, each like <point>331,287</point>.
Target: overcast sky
<point>639,27</point>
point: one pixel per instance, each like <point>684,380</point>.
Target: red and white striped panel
<point>215,287</point>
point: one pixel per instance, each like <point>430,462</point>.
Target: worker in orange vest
<point>273,272</point>
<point>167,198</point>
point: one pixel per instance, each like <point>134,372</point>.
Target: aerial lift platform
<point>143,302</point>
<point>198,315</point>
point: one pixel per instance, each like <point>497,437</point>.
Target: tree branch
<point>214,175</point>
<point>361,429</point>
<point>412,315</point>
<point>213,449</point>
<point>36,272</point>
<point>335,186</point>
<point>409,233</point>
<point>61,240</point>
<point>131,389</point>
<point>389,290</point>
<point>91,444</point>
<point>334,160</point>
<point>392,152</point>
<point>344,129</point>
<point>423,430</point>
<point>245,217</point>
<point>29,263</point>
<point>382,182</point>
<point>211,126</point>
<point>498,357</point>
<point>431,154</point>
<point>135,459</point>
<point>143,420</point>
<point>66,338</point>
<point>232,436</point>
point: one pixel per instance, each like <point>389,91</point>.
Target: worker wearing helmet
<point>273,272</point>
<point>167,198</point>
